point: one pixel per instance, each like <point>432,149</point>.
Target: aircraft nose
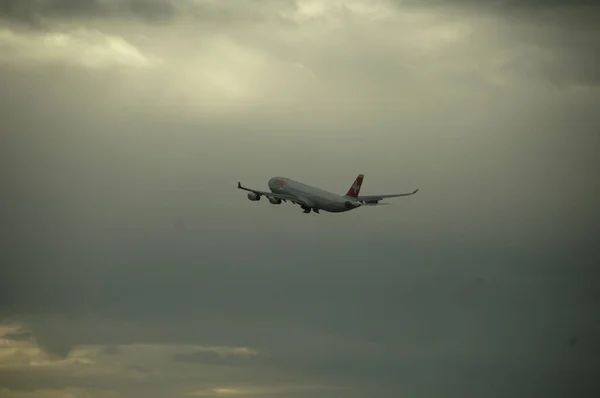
<point>276,182</point>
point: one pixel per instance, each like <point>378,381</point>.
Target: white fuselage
<point>317,198</point>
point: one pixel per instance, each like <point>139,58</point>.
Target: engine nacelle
<point>253,197</point>
<point>275,201</point>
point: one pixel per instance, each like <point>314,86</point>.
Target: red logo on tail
<point>355,188</point>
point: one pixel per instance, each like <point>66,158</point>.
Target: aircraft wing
<point>283,197</point>
<point>377,198</point>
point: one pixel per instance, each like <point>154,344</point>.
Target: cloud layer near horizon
<point>134,268</point>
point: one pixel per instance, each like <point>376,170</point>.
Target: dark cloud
<point>561,35</point>
<point>498,264</point>
<point>39,12</point>
<point>123,229</point>
<point>499,5</point>
<point>214,358</point>
<point>111,350</point>
<point>19,336</point>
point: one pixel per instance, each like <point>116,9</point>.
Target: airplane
<point>311,198</point>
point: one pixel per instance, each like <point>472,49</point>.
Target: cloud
<point>81,47</point>
<point>556,38</point>
<point>217,392</point>
<point>234,58</point>
<point>41,13</point>
<point>219,356</point>
<point>57,393</point>
<point>134,266</point>
<point>90,368</point>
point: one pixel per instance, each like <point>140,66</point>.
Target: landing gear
<point>307,210</point>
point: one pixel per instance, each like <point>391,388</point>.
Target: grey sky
<point>133,267</point>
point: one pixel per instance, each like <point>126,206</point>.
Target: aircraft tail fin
<point>355,188</point>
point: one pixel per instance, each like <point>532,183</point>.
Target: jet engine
<point>253,197</point>
<point>275,201</point>
<point>371,202</point>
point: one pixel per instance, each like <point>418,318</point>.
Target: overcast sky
<point>131,266</point>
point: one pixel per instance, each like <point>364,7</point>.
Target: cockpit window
<point>277,181</point>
